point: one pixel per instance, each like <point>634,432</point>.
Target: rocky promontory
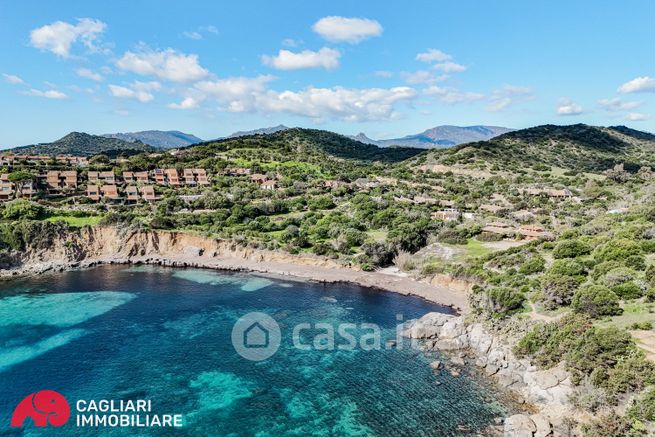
<point>548,390</point>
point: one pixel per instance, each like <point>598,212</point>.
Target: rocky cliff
<point>549,390</point>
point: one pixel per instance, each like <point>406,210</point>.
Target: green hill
<point>577,147</point>
<point>82,144</point>
<point>310,145</point>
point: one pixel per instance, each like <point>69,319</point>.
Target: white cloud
<point>290,42</point>
<point>187,103</point>
<point>244,94</point>
<point>48,94</point>
<point>86,73</point>
<point>237,94</point>
<point>449,67</point>
<point>642,84</point>
<point>13,79</point>
<point>568,107</point>
<point>342,103</point>
<point>637,116</point>
<point>209,29</point>
<point>616,104</point>
<point>140,91</point>
<point>192,35</point>
<point>433,55</point>
<point>453,96</point>
<point>326,58</point>
<point>165,64</point>
<point>350,30</point>
<point>58,37</point>
<point>508,95</point>
<point>421,76</point>
<point>384,73</point>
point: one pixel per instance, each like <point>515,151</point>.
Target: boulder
<point>544,428</point>
<point>519,425</point>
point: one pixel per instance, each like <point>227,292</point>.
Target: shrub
<point>566,267</point>
<point>636,262</point>
<point>610,425</point>
<point>504,300</point>
<point>534,264</point>
<point>378,254</point>
<point>617,250</point>
<point>618,276</point>
<point>23,210</point>
<point>628,290</point>
<point>602,268</point>
<point>596,301</point>
<point>404,261</point>
<point>451,236</point>
<point>643,408</point>
<point>570,249</point>
<point>558,290</point>
<point>643,326</point>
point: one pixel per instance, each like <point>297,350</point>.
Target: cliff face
<point>112,244</point>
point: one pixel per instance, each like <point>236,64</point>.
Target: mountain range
<point>439,136</point>
<point>156,138</point>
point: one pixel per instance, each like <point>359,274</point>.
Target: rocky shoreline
<point>547,390</point>
<point>108,245</point>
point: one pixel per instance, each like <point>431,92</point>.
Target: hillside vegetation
<point>577,147</point>
<point>82,144</point>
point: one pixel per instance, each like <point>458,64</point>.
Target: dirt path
<point>646,341</point>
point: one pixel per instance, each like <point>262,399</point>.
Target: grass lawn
<point>377,235</point>
<point>632,312</point>
<point>472,249</point>
<point>76,221</point>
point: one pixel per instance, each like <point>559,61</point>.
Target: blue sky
<point>380,67</point>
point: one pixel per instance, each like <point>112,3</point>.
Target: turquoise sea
<point>161,334</point>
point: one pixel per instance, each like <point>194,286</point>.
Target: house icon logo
<point>256,336</point>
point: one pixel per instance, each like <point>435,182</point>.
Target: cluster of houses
<point>103,185</point>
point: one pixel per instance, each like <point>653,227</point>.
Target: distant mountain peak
<point>440,136</point>
<point>260,131</point>
<point>169,139</point>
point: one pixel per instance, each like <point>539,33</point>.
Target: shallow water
<point>163,334</point>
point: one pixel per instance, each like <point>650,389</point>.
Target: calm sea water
<point>163,334</point>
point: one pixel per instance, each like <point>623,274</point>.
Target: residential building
<point>93,192</point>
<point>447,215</point>
<point>148,193</point>
<point>107,177</point>
<point>195,176</point>
<point>136,176</point>
<point>132,193</point>
<point>535,232</point>
<point>258,178</point>
<point>6,187</point>
<point>61,180</point>
<point>499,228</point>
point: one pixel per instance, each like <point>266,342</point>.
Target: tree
<point>558,290</point>
<point>19,178</point>
<point>596,301</point>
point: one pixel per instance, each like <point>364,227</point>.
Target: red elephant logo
<point>45,407</point>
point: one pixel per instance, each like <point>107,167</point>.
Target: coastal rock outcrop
<point>547,389</point>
